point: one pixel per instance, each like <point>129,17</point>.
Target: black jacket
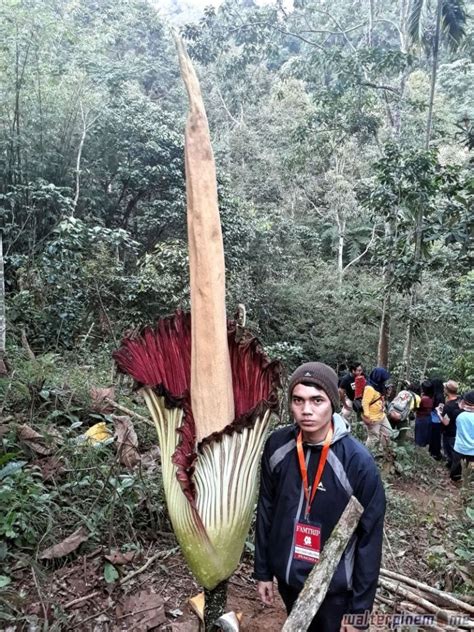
<point>350,470</point>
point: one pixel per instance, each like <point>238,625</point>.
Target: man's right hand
<point>265,592</point>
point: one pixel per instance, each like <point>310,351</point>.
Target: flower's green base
<point>211,535</point>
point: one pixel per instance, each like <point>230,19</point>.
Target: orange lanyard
<point>310,492</point>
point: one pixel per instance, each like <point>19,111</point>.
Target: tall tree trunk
<point>341,229</point>
<point>370,27</point>
<point>434,71</point>
<point>78,160</point>
<point>3,370</point>
<point>384,331</point>
<point>406,361</point>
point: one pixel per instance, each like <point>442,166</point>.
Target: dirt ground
<point>154,599</point>
<point>152,590</point>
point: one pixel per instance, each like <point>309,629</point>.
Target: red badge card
<point>307,542</point>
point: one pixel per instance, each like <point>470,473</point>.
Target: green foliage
<point>301,105</point>
<point>110,573</point>
<point>23,521</point>
<point>463,369</point>
<point>88,486</point>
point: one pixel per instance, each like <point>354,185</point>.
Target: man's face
<point>312,411</point>
<point>357,371</point>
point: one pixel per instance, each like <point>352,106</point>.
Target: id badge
<point>307,542</point>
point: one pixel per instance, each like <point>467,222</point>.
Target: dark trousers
<point>448,447</point>
<point>329,616</point>
<point>422,431</point>
<point>456,466</point>
<point>435,441</point>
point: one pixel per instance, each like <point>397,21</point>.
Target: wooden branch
<point>127,411</point>
<point>317,583</point>
<point>449,599</point>
<point>336,22</point>
<point>124,580</point>
<point>76,602</point>
<point>370,84</point>
<point>362,253</point>
<point>414,597</point>
<point>224,105</point>
<point>38,590</point>
<point>160,555</point>
<point>352,28</point>
<point>78,160</point>
<point>26,346</point>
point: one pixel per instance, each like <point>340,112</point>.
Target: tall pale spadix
<point>210,365</point>
<point>209,395</point>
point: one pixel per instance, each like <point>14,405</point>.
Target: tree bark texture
<point>3,370</point>
<point>317,583</point>
<point>434,71</point>
<point>406,360</point>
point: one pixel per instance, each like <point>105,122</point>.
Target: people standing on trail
<point>423,415</point>
<point>347,387</point>
<point>435,431</point>
<point>309,472</point>
<point>373,408</point>
<point>463,452</point>
<point>449,414</point>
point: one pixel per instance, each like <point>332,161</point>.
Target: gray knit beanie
<point>320,375</point>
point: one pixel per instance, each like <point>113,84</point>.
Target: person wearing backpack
<point>449,414</point>
<point>373,408</point>
<point>398,410</point>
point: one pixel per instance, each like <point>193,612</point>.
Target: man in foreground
<point>309,472</point>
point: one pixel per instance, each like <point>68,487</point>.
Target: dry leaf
<point>151,460</point>
<point>127,441</point>
<point>68,545</point>
<point>98,396</point>
<point>141,612</point>
<point>52,467</point>
<point>185,626</point>
<point>33,440</point>
<point>117,557</point>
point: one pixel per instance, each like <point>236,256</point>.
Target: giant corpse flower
<point>209,392</point>
<point>210,486</point>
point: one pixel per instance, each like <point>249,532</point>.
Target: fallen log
<point>385,600</point>
<point>415,598</point>
<point>448,599</point>
<point>317,583</point>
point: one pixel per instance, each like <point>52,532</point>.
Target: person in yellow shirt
<point>373,408</point>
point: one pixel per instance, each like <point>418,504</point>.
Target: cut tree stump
<point>317,583</point>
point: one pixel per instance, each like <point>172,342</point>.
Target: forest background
<point>346,212</point>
